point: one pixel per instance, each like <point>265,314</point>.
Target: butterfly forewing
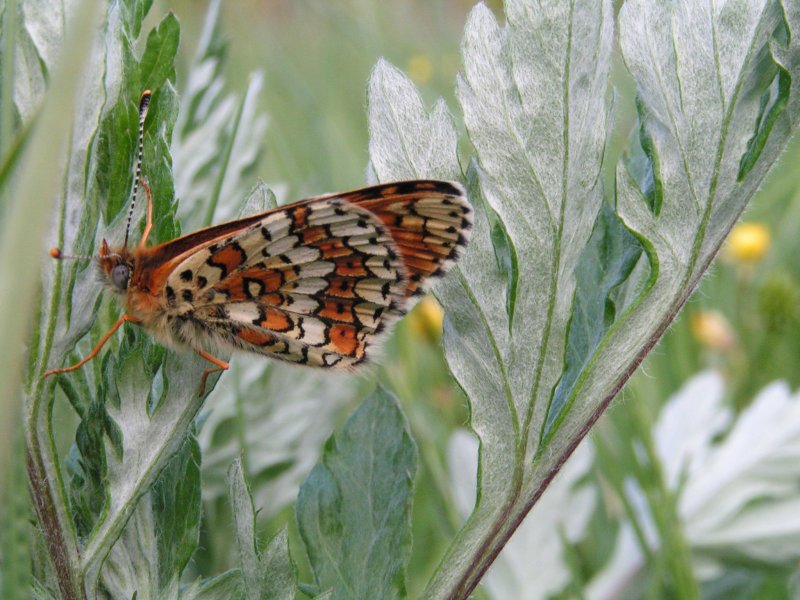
<point>318,281</point>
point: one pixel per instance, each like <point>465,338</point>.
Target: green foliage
<point>268,575</point>
<point>609,257</point>
<point>354,508</point>
<point>133,485</point>
<point>161,536</point>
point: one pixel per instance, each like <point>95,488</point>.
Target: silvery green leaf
<point>405,141</point>
<point>150,410</point>
<point>218,136</point>
<point>478,327</point>
<point>244,518</point>
<point>551,308</point>
<point>535,105</point>
<point>146,418</point>
<point>160,536</point>
<point>354,508</point>
<point>268,575</point>
<point>137,406</point>
<point>63,205</point>
<point>279,571</point>
<point>715,111</point>
<point>534,101</point>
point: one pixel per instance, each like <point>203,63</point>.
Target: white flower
<point>531,565</point>
<point>739,496</point>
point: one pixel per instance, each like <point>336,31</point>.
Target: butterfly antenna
<point>144,102</point>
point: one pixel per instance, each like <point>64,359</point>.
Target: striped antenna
<point>144,102</point>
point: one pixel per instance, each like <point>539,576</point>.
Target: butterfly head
<point>116,267</point>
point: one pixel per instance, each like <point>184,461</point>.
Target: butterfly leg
<point>149,223</point>
<point>220,365</point>
<point>97,348</point>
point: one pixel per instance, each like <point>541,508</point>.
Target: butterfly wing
<point>430,222</point>
<point>316,282</point>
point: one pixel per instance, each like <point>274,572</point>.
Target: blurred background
<point>316,57</point>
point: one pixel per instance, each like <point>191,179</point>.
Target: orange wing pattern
<point>318,281</point>
<point>429,221</point>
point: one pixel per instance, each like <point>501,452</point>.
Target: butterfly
<point>314,283</point>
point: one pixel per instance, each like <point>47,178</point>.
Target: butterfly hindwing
<point>430,222</point>
<point>311,283</point>
<point>317,282</point>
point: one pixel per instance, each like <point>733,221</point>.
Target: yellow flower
<point>420,69</point>
<point>712,330</point>
<point>425,320</point>
<point>748,242</point>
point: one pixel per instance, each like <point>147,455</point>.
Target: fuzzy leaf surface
<point>268,575</point>
<point>161,535</point>
<point>354,508</point>
<point>546,320</point>
<point>131,424</point>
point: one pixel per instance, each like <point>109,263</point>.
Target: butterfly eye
<point>120,275</point>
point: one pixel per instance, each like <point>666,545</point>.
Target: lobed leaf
<point>268,575</point>
<point>545,319</point>
<point>161,535</point>
<point>354,508</point>
<point>131,426</point>
<point>406,142</point>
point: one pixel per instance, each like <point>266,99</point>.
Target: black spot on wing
<point>253,288</point>
<point>170,295</point>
